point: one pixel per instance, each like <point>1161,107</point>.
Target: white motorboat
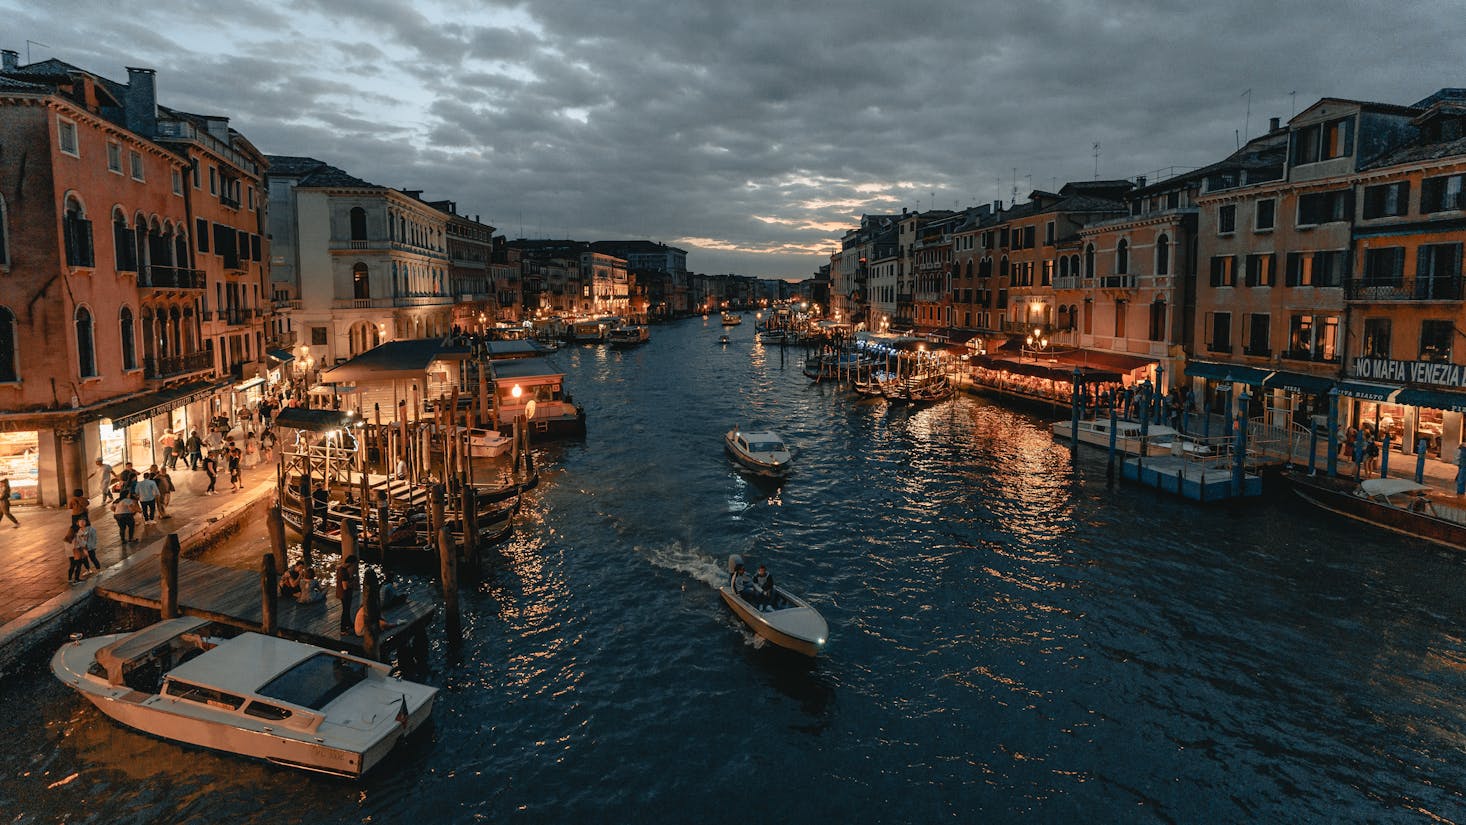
<point>487,443</point>
<point>732,319</point>
<point>787,620</point>
<point>761,452</point>
<point>1159,439</point>
<point>285,702</point>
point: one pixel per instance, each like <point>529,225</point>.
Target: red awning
<point>1098,359</point>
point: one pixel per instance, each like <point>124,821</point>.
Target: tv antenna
<point>28,49</point>
<point>1096,148</point>
<point>1247,119</point>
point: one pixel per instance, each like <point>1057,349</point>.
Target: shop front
<point>1418,404</point>
<point>137,429</point>
<point>1218,386</point>
<point>20,454</point>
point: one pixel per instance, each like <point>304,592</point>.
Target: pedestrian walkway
<point>33,556</point>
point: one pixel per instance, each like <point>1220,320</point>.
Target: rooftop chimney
<point>1273,124</point>
<point>1140,181</point>
<point>9,60</point>
<point>141,101</point>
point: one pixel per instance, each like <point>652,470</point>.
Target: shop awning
<point>1434,399</point>
<point>1300,382</point>
<point>1251,376</point>
<point>1367,391</point>
<point>146,406</point>
<point>317,421</point>
<point>1046,369</point>
<point>248,385</point>
<point>280,356</point>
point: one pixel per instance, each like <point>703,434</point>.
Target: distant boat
<point>762,452</point>
<point>788,621</point>
<point>723,339</point>
<point>628,336</point>
<point>732,319</point>
<point>487,443</point>
<point>260,696</point>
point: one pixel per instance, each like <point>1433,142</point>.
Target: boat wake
<point>676,555</point>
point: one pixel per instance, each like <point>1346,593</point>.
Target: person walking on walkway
<point>128,477</point>
<point>346,586</point>
<point>86,539</point>
<point>104,470</point>
<point>195,447</point>
<point>165,491</point>
<point>124,512</point>
<point>76,557</point>
<point>235,482</point>
<point>169,440</point>
<point>5,501</point>
<point>147,495</point>
<point>211,469</point>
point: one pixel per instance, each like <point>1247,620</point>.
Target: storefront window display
<point>19,454</point>
<point>112,443</point>
<point>1406,426</point>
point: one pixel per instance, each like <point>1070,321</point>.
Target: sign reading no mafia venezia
<point>1411,372</point>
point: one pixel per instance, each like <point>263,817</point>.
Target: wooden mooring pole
<point>448,569</point>
<point>269,595</point>
<point>348,540</point>
<point>307,517</point>
<point>169,596</point>
<point>276,525</point>
<point>371,602</point>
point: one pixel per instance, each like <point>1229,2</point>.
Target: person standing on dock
<point>195,447</point>
<point>211,469</point>
<point>346,586</point>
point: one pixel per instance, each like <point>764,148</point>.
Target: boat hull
<point>753,465</point>
<point>183,722</point>
<point>761,626</point>
<point>1157,443</point>
<point>1337,496</point>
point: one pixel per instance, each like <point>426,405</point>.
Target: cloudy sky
<point>750,134</point>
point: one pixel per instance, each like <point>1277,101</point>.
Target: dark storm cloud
<point>754,133</point>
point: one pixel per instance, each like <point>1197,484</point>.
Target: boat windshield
<point>316,681</point>
<point>765,447</point>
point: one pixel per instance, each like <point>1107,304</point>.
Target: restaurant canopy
<point>395,359</point>
<point>1251,376</point>
<point>1051,370</point>
<point>316,421</point>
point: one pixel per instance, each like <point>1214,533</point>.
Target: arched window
<point>180,248</point>
<point>129,340</point>
<point>123,251</point>
<point>76,231</point>
<point>361,281</point>
<point>1064,267</point>
<point>1158,320</point>
<point>4,248</point>
<point>1003,267</point>
<point>9,363</point>
<point>1074,265</point>
<point>86,353</point>
<point>358,224</point>
<point>1089,261</point>
<point>1163,255</point>
<point>1122,257</point>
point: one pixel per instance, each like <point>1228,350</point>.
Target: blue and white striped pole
<point>1420,462</point>
<point>1160,374</point>
<point>1384,458</point>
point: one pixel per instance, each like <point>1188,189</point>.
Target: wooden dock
<point>231,596</point>
<point>1191,480</point>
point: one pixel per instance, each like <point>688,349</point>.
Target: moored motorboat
<point>485,443</point>
<point>269,698</point>
<point>732,319</point>
<point>785,620</point>
<point>761,452</point>
<point>1158,439</point>
<point>1396,504</point>
<point>624,337</point>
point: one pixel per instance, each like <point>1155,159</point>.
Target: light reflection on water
<point>1011,638</point>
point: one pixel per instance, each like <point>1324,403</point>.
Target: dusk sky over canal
<point>752,135</point>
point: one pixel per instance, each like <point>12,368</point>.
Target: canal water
<point>1012,639</point>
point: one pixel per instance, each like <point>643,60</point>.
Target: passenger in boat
<point>763,583</point>
<point>739,581</point>
<point>1422,504</point>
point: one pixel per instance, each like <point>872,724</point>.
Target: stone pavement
<point>33,558</point>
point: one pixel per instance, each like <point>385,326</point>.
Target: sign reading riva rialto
<point>1441,374</point>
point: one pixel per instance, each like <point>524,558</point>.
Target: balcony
<point>170,277</point>
<point>1223,347</point>
<point>1447,288</point>
<point>232,203</point>
<point>1117,282</point>
<point>1258,352</point>
<point>171,365</point>
<point>1019,327</point>
<point>284,305</point>
<point>235,316</point>
<point>282,340</point>
<point>1067,282</point>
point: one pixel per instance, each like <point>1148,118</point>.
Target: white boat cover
<point>1386,487</point>
<point>115,655</point>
